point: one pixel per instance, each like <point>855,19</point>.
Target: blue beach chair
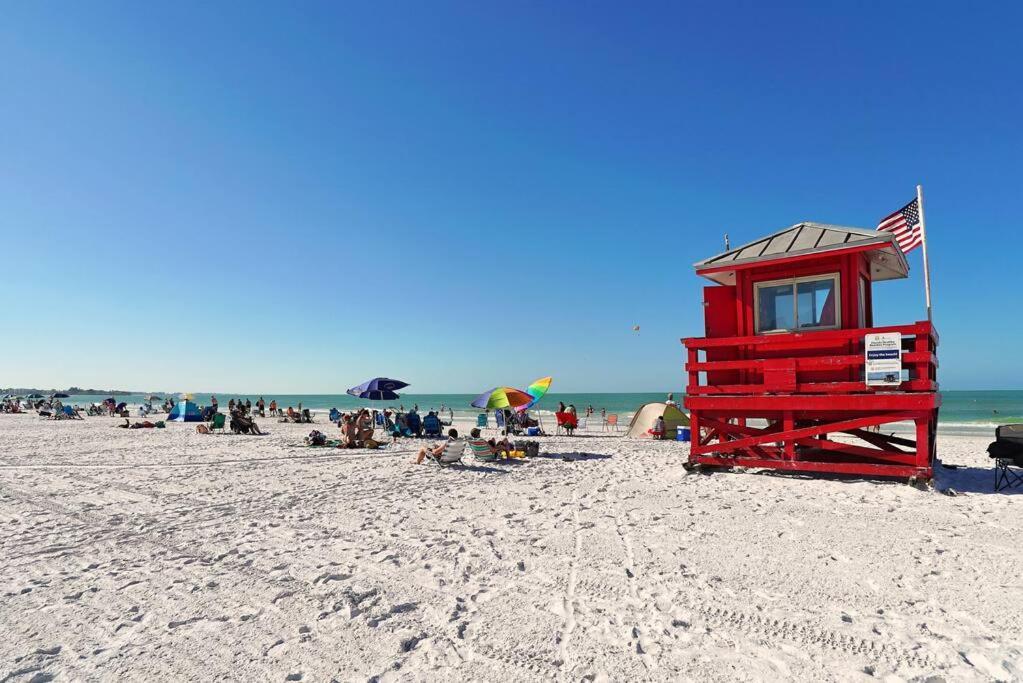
<point>431,425</point>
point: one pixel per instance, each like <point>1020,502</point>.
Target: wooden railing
<point>805,362</point>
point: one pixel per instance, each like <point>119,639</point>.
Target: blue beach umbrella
<point>378,389</point>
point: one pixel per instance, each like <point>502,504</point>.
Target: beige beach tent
<point>646,416</point>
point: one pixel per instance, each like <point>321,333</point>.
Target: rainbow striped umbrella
<point>537,389</point>
<point>502,397</point>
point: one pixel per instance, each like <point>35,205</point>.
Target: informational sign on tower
<point>883,361</point>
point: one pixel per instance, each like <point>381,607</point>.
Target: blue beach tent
<point>185,411</point>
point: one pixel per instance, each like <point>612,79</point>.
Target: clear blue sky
<point>298,196</point>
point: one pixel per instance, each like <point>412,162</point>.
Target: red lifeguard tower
<point>782,382</point>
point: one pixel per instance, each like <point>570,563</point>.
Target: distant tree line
<point>74,391</point>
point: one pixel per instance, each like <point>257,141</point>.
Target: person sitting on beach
<point>437,450</point>
<point>496,447</point>
<point>401,422</point>
<point>349,432</point>
<point>364,425</point>
<point>241,423</point>
<point>291,415</point>
<point>415,423</point>
<point>671,400</point>
<point>431,423</point>
<point>657,431</point>
<point>390,427</point>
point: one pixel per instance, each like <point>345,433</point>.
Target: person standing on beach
<point>248,406</point>
<point>213,402</point>
<point>561,406</point>
<point>261,407</point>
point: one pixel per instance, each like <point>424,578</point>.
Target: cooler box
<point>683,434</point>
<point>533,431</point>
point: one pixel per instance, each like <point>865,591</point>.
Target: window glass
<point>776,308</point>
<point>816,303</point>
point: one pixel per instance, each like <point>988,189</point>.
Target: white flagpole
<point>923,236</point>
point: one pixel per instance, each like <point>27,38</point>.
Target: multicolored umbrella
<point>502,397</point>
<point>378,389</point>
<point>537,389</point>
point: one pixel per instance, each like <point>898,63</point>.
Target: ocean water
<point>963,411</point>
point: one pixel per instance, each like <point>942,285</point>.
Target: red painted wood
<point>814,337</point>
<point>788,433</point>
<point>809,363</point>
<point>751,405</point>
<point>807,385</point>
<point>920,385</point>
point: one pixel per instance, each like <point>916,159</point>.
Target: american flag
<point>905,224</point>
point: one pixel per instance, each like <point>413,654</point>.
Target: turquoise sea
<point>967,411</point>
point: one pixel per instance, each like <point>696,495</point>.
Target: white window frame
<point>835,277</point>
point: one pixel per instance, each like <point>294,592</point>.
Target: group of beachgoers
<point>262,409</point>
<point>50,408</point>
<point>358,426</point>
<point>359,429</point>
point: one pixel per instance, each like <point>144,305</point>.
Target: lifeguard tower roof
<point>804,241</point>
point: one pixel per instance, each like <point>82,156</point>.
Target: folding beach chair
<point>1007,451</point>
<point>218,422</point>
<point>481,421</point>
<point>609,422</point>
<point>567,422</point>
<point>451,454</point>
<point>431,425</point>
<point>482,451</point>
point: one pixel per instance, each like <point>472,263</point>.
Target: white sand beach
<point>170,555</point>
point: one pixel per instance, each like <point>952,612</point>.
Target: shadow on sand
<point>963,479</point>
<point>958,478</point>
<point>572,456</point>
